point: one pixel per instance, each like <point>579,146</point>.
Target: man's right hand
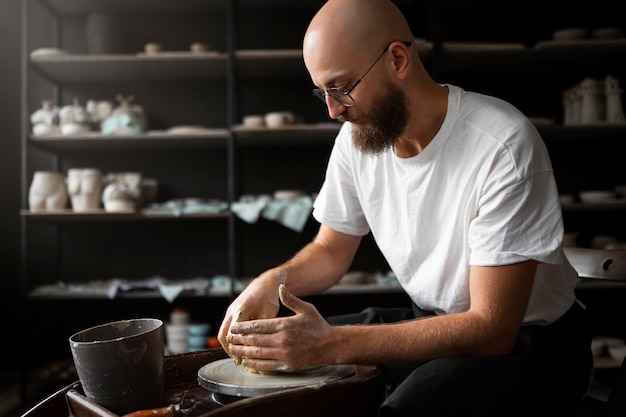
<point>258,301</point>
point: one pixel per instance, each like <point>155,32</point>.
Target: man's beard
<point>387,121</point>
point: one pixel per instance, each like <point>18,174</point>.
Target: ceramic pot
<point>121,364</point>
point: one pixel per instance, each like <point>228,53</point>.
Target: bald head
<point>352,24</point>
<point>344,41</point>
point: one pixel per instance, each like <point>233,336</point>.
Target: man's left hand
<point>284,344</point>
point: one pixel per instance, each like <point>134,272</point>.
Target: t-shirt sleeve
<point>519,214</point>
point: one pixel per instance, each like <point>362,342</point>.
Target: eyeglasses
<point>341,95</point>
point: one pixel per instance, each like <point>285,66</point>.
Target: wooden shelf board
<point>255,63</point>
<point>99,295</point>
<point>540,61</point>
<point>212,292</point>
<point>71,68</point>
<point>290,135</point>
<point>68,215</point>
<point>149,140</point>
<point>83,7</point>
<point>99,6</point>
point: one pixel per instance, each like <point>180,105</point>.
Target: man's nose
<point>335,109</point>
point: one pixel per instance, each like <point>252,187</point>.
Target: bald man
<point>458,191</point>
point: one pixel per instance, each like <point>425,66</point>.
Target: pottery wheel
<point>224,377</point>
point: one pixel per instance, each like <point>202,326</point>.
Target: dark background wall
<point>10,125</point>
<point>52,331</point>
<point>571,178</point>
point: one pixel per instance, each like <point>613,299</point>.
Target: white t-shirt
<point>481,193</point>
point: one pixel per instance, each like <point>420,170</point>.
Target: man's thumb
<point>289,300</point>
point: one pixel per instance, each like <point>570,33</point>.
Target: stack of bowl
<point>176,332</point>
<point>197,336</point>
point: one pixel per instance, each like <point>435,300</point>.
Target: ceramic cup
<point>120,364</point>
<point>279,119</point>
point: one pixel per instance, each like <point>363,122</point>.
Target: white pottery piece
<point>47,192</point>
<point>279,119</point>
<point>84,187</point>
<point>592,101</point>
<point>75,119</point>
<point>125,119</point>
<point>253,121</point>
<point>123,192</point>
<point>199,47</point>
<point>45,120</point>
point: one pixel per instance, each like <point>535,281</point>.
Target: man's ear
<point>401,56</point>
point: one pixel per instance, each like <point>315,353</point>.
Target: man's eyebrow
<point>332,81</point>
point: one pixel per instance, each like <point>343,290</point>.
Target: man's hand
<point>284,344</point>
<point>258,301</point>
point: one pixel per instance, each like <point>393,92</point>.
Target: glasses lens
<point>339,95</point>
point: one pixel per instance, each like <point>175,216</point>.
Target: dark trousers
<point>547,372</point>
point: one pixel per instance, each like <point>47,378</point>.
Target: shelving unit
<point>250,74</point>
<point>119,243</point>
<point>177,88</point>
<point>97,142</point>
<point>69,216</point>
<point>97,68</point>
<point>506,50</point>
<point>521,63</point>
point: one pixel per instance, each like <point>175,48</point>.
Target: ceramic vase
<point>84,187</point>
<point>592,105</point>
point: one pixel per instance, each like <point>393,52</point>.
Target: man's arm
<point>314,268</point>
<point>499,297</point>
<point>321,263</point>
